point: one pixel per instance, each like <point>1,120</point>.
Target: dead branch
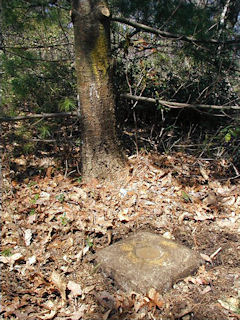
<point>179,105</point>
<point>169,35</point>
<point>169,104</point>
<point>41,115</point>
<point>36,47</point>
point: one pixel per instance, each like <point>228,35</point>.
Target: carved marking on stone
<point>153,254</point>
<point>147,260</point>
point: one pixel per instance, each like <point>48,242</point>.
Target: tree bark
<point>233,12</point>
<point>100,152</point>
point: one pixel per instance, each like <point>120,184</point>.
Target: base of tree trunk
<point>103,165</point>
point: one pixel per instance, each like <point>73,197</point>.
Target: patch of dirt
<point>52,226</point>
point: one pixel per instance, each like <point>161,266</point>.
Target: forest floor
<point>53,224</point>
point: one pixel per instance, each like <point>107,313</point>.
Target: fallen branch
<point>177,105</point>
<point>169,104</point>
<point>170,35</point>
<point>35,47</point>
<point>43,140</point>
<point>41,115</point>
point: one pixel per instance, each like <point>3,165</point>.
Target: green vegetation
<point>60,197</point>
<point>6,252</point>
<point>64,219</point>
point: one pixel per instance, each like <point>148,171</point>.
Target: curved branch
<point>169,35</point>
<point>177,105</point>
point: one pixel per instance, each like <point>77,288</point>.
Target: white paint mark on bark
<point>93,91</point>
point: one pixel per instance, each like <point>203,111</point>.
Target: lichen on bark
<point>99,55</point>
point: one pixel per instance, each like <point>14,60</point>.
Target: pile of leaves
<point>52,226</point>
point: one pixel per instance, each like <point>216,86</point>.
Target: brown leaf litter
<point>53,225</point>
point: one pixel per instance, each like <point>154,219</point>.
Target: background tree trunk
<point>100,151</point>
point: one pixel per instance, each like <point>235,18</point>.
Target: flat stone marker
<point>146,260</point>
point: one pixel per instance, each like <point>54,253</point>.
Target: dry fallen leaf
<point>75,288</point>
<point>12,259</point>
<point>123,192</point>
<point>28,237</point>
<point>138,305</point>
<point>48,316</point>
<point>203,217</point>
<point>88,289</point>
<point>203,173</point>
<point>229,201</point>
<point>106,300</point>
<point>231,303</point>
<point>59,283</point>
<point>91,213</point>
<point>155,297</point>
<point>79,313</point>
<point>206,290</point>
<point>206,257</point>
<point>43,197</point>
<point>183,216</point>
<point>211,199</point>
<point>106,315</point>
<point>32,218</point>
<point>31,260</point>
<point>196,280</point>
<point>123,217</point>
<point>168,235</point>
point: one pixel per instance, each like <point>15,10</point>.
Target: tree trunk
<point>100,152</point>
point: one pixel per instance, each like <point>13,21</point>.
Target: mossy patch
<point>99,55</point>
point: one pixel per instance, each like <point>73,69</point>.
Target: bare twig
<point>37,46</point>
<point>43,140</point>
<point>213,255</point>
<point>40,116</point>
<point>66,169</point>
<point>177,105</point>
